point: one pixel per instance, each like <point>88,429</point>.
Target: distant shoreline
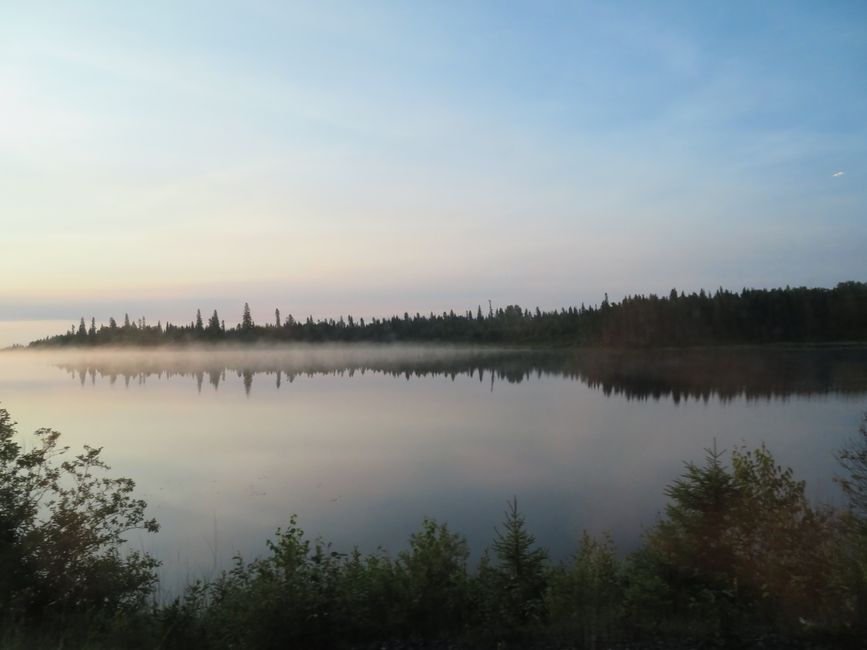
<point>790,316</point>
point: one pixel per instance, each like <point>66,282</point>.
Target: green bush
<point>741,549</point>
<point>62,527</point>
<point>65,575</point>
<point>374,596</point>
<point>288,597</point>
<point>853,459</point>
<point>435,583</point>
<point>585,599</point>
<point>304,594</point>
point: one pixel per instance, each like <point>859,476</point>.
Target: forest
<point>740,557</point>
<point>748,317</point>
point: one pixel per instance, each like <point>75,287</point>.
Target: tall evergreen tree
<point>214,325</point>
<point>752,316</point>
<point>518,578</point>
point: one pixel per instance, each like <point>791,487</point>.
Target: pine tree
<point>214,325</point>
<point>700,511</point>
<point>247,319</point>
<point>200,326</point>
<point>519,576</point>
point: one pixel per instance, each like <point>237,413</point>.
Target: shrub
<point>741,549</point>
<point>290,597</point>
<point>62,527</point>
<point>853,459</point>
<point>585,599</point>
<point>435,581</point>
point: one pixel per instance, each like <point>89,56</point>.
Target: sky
<point>376,157</point>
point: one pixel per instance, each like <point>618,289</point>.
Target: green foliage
<point>513,578</point>
<point>742,548</point>
<point>307,595</point>
<point>853,459</point>
<point>288,597</point>
<point>585,599</point>
<point>650,596</point>
<point>436,585</point>
<point>374,595</point>
<point>62,527</point>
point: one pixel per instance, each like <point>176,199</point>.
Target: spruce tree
<point>214,325</point>
<point>517,580</point>
<point>247,319</point>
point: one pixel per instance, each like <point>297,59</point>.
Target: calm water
<point>362,442</point>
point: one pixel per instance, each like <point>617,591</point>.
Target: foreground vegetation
<point>740,557</point>
<point>752,316</point>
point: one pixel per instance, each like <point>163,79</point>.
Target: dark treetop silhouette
<point>753,316</point>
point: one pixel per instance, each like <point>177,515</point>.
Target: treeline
<point>740,558</point>
<point>753,316</point>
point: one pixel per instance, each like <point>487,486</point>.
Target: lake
<point>363,441</point>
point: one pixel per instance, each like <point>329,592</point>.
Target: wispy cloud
<point>397,159</point>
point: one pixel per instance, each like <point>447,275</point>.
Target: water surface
<point>363,441</point>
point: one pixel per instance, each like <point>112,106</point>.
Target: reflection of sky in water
<point>362,459</point>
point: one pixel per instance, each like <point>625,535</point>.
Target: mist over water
<point>677,374</point>
<point>363,441</point>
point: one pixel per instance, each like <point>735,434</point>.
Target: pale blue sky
<point>380,156</point>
